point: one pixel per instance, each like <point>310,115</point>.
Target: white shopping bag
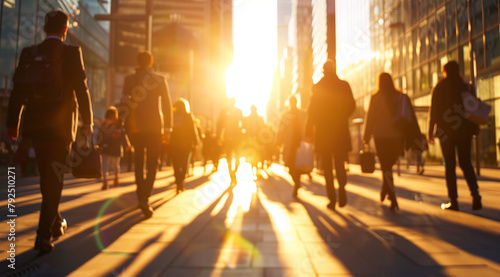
<point>304,159</point>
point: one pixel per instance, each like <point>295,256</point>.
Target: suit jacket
<point>445,112</point>
<point>332,103</point>
<point>146,99</point>
<point>60,122</point>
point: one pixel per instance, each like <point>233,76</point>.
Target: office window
<point>490,13</point>
<point>440,28</point>
<point>462,20</point>
<point>452,55</point>
<point>422,5</point>
<point>409,51</point>
<point>431,36</point>
<point>430,6</point>
<point>439,3</point>
<point>493,47</point>
<point>478,48</point>
<point>416,46</point>
<point>414,10</point>
<point>451,23</point>
<point>441,62</point>
<point>465,61</point>
<point>423,42</point>
<point>424,78</point>
<point>476,17</point>
<point>433,73</point>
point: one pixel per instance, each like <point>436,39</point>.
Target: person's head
<point>451,69</point>
<point>329,68</point>
<point>385,82</point>
<point>292,101</point>
<point>253,109</point>
<point>181,106</point>
<point>144,59</point>
<point>56,23</point>
<point>111,113</point>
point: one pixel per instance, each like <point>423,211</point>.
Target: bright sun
<point>249,79</point>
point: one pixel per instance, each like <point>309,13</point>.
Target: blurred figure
<point>389,139</point>
<point>331,105</point>
<point>147,98</point>
<point>183,141</point>
<point>210,150</point>
<point>113,137</point>
<point>195,155</point>
<point>50,115</point>
<point>454,133</point>
<point>229,132</point>
<point>290,134</point>
<point>252,146</point>
<point>415,154</point>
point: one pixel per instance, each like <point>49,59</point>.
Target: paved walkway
<point>259,229</point>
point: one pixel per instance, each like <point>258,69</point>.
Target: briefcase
<point>86,161</point>
<point>367,160</point>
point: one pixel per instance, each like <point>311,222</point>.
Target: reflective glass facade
<point>21,25</point>
<point>412,40</point>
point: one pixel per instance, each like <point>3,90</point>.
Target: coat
<point>290,134</point>
<point>444,118</point>
<point>60,122</point>
<point>146,103</point>
<point>331,105</point>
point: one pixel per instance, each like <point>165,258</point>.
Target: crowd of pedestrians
<point>146,121</point>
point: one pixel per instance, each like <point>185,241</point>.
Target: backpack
<point>39,78</point>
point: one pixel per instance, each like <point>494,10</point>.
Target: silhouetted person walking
<point>229,132</point>
<point>389,138</point>
<point>146,99</point>
<point>447,123</point>
<point>332,103</point>
<point>183,141</point>
<point>290,134</point>
<point>49,103</point>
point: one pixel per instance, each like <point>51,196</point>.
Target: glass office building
<point>413,39</point>
<point>21,25</point>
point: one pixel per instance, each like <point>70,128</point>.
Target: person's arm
<point>432,116</point>
<point>166,105</point>
<point>79,82</point>
<point>369,119</point>
<point>16,103</point>
<point>351,103</point>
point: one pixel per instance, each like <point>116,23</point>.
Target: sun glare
<point>249,79</point>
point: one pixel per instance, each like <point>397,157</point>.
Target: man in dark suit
<point>52,129</point>
<point>332,103</point>
<point>455,132</point>
<point>148,115</point>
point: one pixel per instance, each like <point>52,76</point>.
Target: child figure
<point>113,137</point>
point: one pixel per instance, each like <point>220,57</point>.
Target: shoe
<point>146,210</point>
<point>43,245</point>
<point>116,182</point>
<point>394,206</point>
<point>104,184</point>
<point>476,203</point>
<point>331,206</point>
<point>59,229</point>
<point>452,205</point>
<point>342,197</point>
<point>295,192</point>
<point>421,171</point>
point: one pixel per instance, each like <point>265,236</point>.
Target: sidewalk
<point>259,229</point>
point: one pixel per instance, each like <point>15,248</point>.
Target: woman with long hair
<point>183,141</point>
<point>388,137</point>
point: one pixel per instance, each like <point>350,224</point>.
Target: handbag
<point>403,116</point>
<point>367,159</point>
<point>86,160</point>
<point>476,111</point>
<point>304,158</point>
